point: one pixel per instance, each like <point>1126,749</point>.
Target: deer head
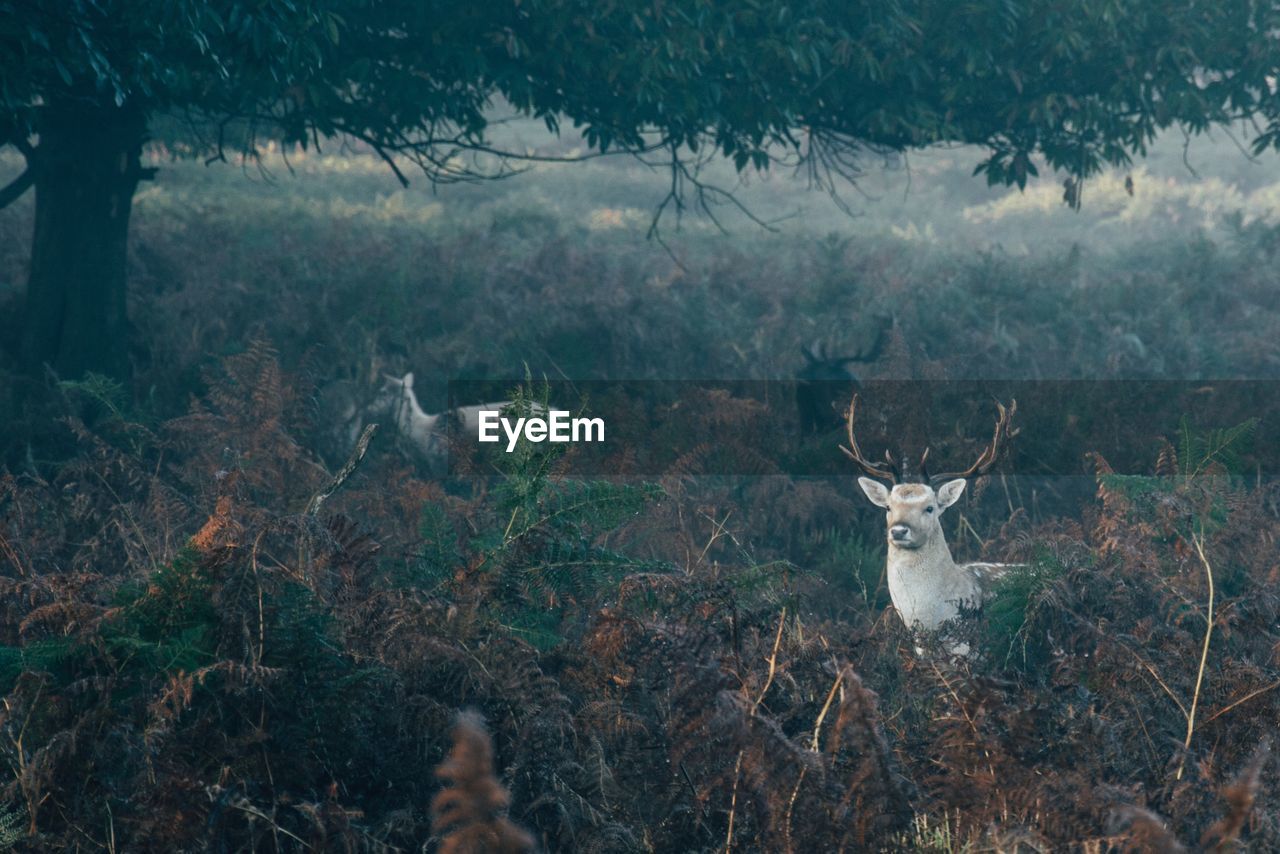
<point>396,400</point>
<point>913,510</point>
<point>826,379</point>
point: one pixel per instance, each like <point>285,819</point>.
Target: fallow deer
<point>927,586</point>
<point>826,380</point>
<point>425,432</point>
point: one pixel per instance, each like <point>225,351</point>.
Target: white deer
<point>926,584</point>
<point>427,433</point>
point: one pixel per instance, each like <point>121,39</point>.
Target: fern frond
<point>468,814</point>
<point>1214,450</point>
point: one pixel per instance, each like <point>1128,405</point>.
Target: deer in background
<point>424,431</point>
<point>825,380</point>
<point>427,433</point>
<point>927,586</point>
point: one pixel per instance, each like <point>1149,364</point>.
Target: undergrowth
<point>190,659</point>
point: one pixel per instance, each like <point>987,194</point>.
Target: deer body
<point>927,586</point>
<point>424,431</point>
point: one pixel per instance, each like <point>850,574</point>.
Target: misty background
<point>915,231</point>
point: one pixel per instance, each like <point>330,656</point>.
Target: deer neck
<point>414,421</point>
<point>925,583</point>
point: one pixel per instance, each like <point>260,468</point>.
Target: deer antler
<point>893,473</point>
<point>877,346</point>
<point>1003,432</point>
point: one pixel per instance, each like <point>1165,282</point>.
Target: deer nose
<point>899,532</point>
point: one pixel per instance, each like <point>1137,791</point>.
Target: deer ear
<point>876,491</point>
<point>407,381</point>
<point>950,491</point>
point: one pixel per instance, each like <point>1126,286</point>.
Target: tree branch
<point>362,446</point>
<point>382,152</point>
<point>17,187</point>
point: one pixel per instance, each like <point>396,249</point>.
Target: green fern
<point>759,583</point>
<point>46,655</point>
<point>547,550</point>
<point>166,623</point>
<point>847,561</point>
<point>570,506</point>
<point>540,628</point>
<point>528,467</point>
<point>1136,487</point>
<point>438,554</point>
<point>11,830</point>
<point>176,596</point>
<point>925,837</point>
<point>1012,611</point>
<point>1200,452</point>
<point>101,391</point>
<point>185,649</point>
<point>547,557</point>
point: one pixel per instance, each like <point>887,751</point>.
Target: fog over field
<point>1185,186</point>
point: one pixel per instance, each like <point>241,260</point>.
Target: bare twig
<point>12,555</point>
<point>1246,698</point>
<point>773,662</point>
<point>717,531</point>
<point>1181,707</point>
<point>1198,541</point>
<point>791,804</point>
<point>831,695</point>
<point>733,804</point>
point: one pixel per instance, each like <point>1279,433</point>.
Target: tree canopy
<point>1085,83</point>
<point>813,82</point>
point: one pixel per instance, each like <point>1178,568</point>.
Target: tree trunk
<point>87,167</point>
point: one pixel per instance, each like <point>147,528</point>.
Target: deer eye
<point>929,509</point>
